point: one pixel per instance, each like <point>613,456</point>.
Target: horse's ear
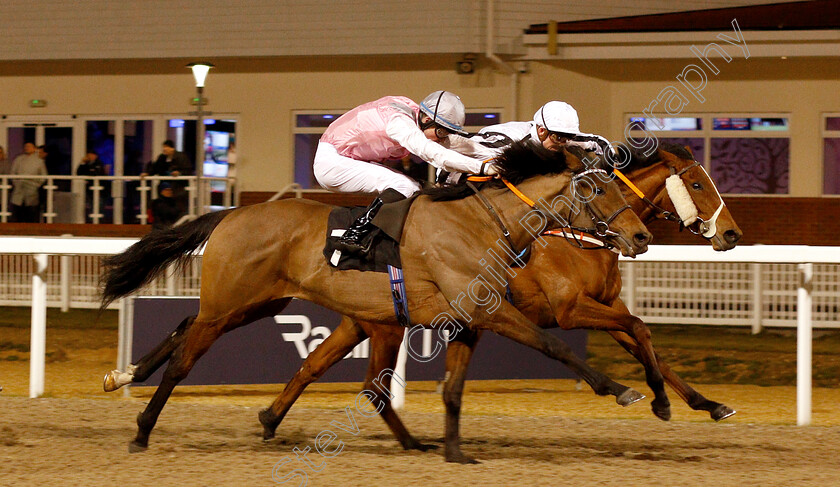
<point>689,151</point>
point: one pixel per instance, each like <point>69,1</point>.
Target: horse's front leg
<point>459,351</point>
<point>694,399</point>
<point>509,322</point>
<point>591,314</point>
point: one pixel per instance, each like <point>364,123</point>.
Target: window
<point>309,126</point>
<point>744,154</point>
<point>831,154</point>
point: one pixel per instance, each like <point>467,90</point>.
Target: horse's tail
<point>146,259</point>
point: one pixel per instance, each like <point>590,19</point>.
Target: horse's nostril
<point>731,236</point>
<point>642,238</point>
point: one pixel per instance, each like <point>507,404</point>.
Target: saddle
<point>384,239</point>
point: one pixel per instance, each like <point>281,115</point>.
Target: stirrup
<point>350,247</point>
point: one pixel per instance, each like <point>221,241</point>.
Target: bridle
<point>601,226</point>
<point>687,217</point>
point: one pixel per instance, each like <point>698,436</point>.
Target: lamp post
<point>199,70</point>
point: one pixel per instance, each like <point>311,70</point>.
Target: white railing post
<point>757,301</point>
<point>37,346</point>
<point>803,345</point>
<point>126,335</point>
<point>65,283</point>
<point>397,389</point>
<point>171,277</point>
<point>50,213</point>
<point>629,283</point>
<point>5,186</point>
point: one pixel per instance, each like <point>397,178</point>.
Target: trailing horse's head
<point>688,193</point>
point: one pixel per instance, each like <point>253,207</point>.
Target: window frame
<point>707,133</point>
<point>826,134</point>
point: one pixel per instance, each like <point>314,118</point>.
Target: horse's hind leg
<point>198,339</point>
<point>694,399</point>
<point>325,355</point>
<point>385,344</point>
<point>459,351</point>
<point>150,362</point>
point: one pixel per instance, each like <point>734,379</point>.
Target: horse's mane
<point>519,161</point>
<point>638,159</point>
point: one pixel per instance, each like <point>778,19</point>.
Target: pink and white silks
<point>351,152</point>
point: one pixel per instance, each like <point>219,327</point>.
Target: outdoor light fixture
<point>199,70</point>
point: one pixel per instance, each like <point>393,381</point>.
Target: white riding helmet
<point>446,110</point>
<point>558,116</point>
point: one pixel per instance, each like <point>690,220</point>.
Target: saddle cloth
<point>384,238</point>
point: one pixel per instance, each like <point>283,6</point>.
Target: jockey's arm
<point>470,147</point>
<point>404,131</point>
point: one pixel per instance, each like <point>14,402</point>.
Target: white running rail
<point>672,257</point>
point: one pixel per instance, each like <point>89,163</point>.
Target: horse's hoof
<point>722,412</point>
<point>629,397</point>
<point>110,381</point>
<point>662,413</point>
<point>416,445</point>
<point>116,379</point>
<point>269,427</point>
<point>135,447</point>
<point>461,458</point>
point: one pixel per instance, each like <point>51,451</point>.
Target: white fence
<point>719,293</point>
<point>698,294</point>
<point>72,207</point>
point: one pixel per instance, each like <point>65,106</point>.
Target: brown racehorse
<point>561,286</point>
<point>258,258</point>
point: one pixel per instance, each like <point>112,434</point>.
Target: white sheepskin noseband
<point>682,200</point>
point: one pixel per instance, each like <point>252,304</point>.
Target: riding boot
<point>351,241</point>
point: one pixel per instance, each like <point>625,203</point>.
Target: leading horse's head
<point>691,194</point>
<point>594,204</point>
<point>604,206</point>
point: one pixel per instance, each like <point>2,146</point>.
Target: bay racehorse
<point>562,285</point>
<point>257,258</point>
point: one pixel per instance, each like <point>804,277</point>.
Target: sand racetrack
<point>83,442</point>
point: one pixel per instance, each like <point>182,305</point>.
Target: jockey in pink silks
<point>351,152</point>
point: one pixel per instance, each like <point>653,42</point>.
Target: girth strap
<point>399,296</point>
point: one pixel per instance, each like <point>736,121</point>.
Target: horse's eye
<point>697,186</point>
<point>599,191</point>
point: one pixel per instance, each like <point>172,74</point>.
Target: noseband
<point>601,226</point>
<point>697,226</point>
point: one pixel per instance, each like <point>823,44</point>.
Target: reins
<point>601,228</point>
<point>667,215</point>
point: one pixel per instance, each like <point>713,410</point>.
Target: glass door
<point>57,147</point>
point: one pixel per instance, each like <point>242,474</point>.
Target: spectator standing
<point>25,200</point>
<point>173,163</point>
<point>91,165</point>
<point>165,211</point>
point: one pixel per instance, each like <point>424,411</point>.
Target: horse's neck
<point>513,210</point>
<point>651,181</point>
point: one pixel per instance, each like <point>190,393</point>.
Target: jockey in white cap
<point>351,152</point>
<point>555,125</point>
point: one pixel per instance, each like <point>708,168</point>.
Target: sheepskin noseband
<point>682,200</point>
